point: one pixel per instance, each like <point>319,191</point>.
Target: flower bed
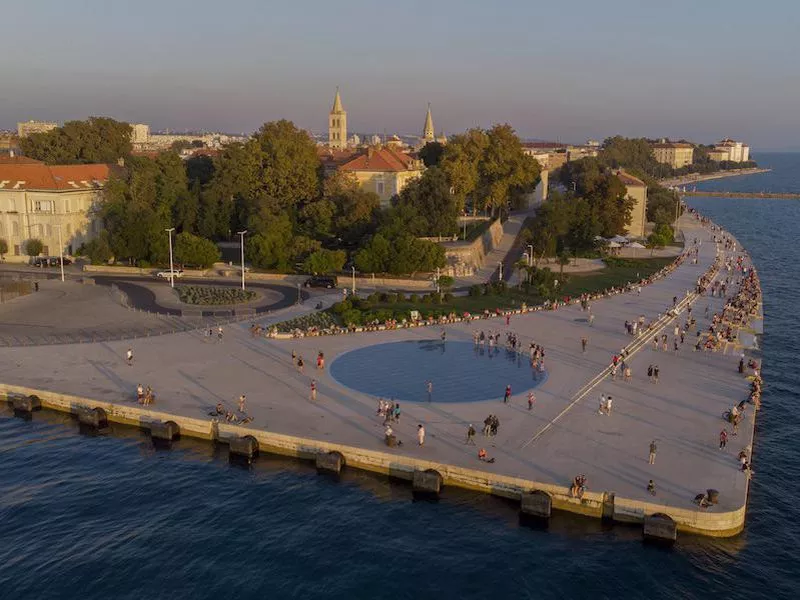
<point>205,295</point>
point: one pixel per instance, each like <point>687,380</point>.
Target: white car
<point>166,274</point>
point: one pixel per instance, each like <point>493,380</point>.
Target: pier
<point>536,451</point>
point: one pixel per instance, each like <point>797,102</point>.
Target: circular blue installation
<point>459,371</point>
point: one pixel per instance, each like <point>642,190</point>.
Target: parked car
<point>166,274</point>
<point>321,281</point>
<point>55,261</point>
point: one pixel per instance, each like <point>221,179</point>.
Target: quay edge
<point>593,504</point>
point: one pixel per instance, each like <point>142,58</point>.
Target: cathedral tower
<point>428,134</point>
<point>337,124</point>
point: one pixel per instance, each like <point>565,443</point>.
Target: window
<point>15,229</point>
<point>379,188</point>
<point>66,204</point>
<point>43,206</point>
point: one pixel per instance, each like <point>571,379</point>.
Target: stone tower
<point>427,133</point>
<point>337,124</point>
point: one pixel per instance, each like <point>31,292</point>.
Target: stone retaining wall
<point>402,467</point>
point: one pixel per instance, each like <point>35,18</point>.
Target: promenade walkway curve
<point>562,435</point>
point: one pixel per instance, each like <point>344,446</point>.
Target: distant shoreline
<point>698,177</point>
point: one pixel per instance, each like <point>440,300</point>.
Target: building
<point>429,133</point>
<point>337,124</point>
<point>674,154</point>
<point>26,128</point>
<point>550,155</point>
<point>383,170</point>
<point>730,150</point>
<point>637,190</point>
<point>140,134</point>
<point>36,200</point>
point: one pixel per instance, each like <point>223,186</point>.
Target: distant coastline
<point>697,177</point>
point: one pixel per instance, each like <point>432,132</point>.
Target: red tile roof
<point>382,160</point>
<point>38,176</point>
<point>8,159</point>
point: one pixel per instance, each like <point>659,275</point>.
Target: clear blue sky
<point>569,70</point>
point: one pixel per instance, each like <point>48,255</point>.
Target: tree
<point>460,161</point>
<point>506,172</point>
<point>271,249</point>
<point>430,197</point>
<point>96,140</point>
<point>194,250</point>
<point>563,261</point>
<point>431,154</point>
<point>354,211</point>
<point>3,248</point>
<point>34,247</point>
<point>98,250</point>
<point>325,261</point>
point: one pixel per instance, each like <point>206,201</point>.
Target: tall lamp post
<point>61,251</point>
<point>354,279</point>
<point>530,255</point>
<point>241,236</point>
<point>171,269</point>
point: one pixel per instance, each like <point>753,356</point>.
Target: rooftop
<point>629,179</point>
<point>39,176</point>
<point>380,159</point>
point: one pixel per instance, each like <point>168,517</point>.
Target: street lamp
<point>61,252</point>
<point>241,236</point>
<point>500,277</point>
<point>171,269</point>
<point>354,279</point>
<point>530,255</point>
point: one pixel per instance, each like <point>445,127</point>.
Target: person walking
<point>313,389</point>
<point>655,374</point>
<point>653,449</point>
<point>651,487</point>
<point>429,387</point>
<point>650,373</point>
<point>584,341</point>
<point>470,435</point>
<point>608,406</point>
<point>242,404</point>
<point>723,439</point>
<point>531,400</point>
<point>487,425</point>
<point>421,434</point>
<point>507,395</point>
<point>129,357</point>
<point>219,333</point>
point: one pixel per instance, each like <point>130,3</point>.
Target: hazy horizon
<point>587,71</point>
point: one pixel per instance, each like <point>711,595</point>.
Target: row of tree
<point>274,187</point>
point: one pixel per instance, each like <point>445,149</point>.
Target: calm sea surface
<point>110,517</point>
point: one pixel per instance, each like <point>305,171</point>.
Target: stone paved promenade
<point>564,435</point>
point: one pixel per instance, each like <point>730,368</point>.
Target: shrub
<point>210,296</point>
<point>476,290</point>
<point>414,298</point>
<point>426,299</point>
<point>340,307</point>
<point>391,298</point>
<point>34,247</point>
<point>445,281</point>
<point>448,297</point>
<point>352,317</point>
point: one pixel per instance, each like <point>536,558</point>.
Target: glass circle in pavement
<point>459,371</point>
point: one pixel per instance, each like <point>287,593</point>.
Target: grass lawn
<point>619,273</point>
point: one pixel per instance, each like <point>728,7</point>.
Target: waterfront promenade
<point>562,436</point>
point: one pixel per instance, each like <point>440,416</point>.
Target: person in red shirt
<point>507,394</point>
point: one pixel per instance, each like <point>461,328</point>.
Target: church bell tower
<point>337,124</point>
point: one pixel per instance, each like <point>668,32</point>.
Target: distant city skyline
<point>700,71</point>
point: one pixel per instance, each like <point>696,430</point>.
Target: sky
<point>700,69</point>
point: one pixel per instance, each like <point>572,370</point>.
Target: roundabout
<point>459,371</point>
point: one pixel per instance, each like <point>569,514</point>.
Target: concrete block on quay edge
<point>427,482</point>
<point>330,461</point>
<point>93,417</point>
<point>536,504</point>
<point>246,446</point>
<point>26,403</point>
<point>660,527</point>
<point>164,431</point>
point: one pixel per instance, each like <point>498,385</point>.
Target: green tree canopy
<point>431,154</point>
<point>429,196</point>
<point>325,261</point>
<point>34,247</point>
<point>96,140</point>
<point>194,250</point>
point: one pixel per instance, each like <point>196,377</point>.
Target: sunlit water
<point>111,517</point>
